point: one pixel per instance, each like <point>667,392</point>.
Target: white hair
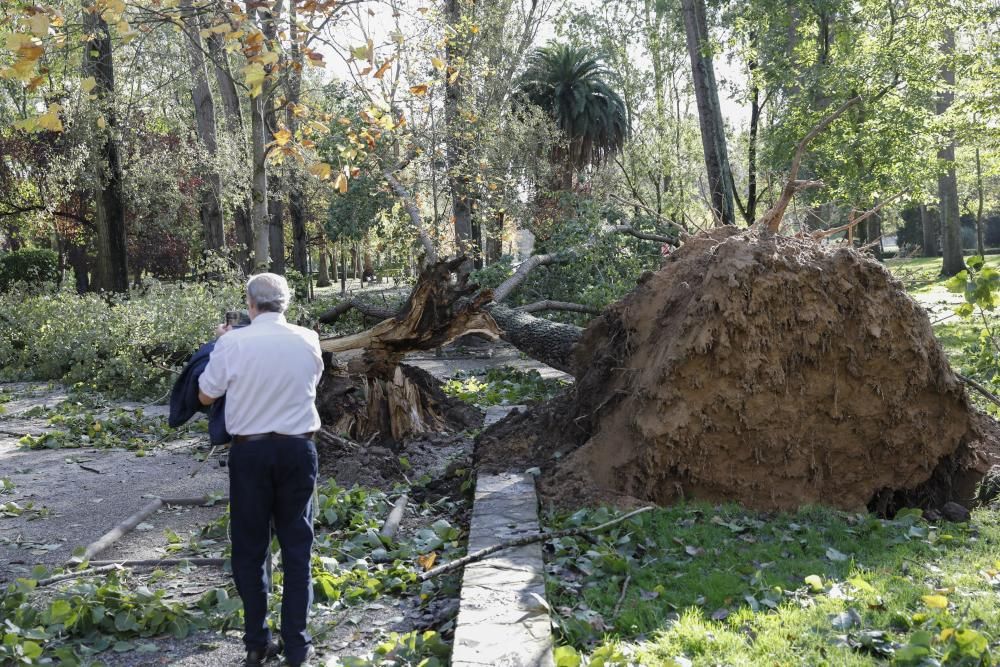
<point>269,292</point>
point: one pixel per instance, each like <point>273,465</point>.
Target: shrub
<point>116,344</point>
<point>32,266</point>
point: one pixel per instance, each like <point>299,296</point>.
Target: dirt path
<point>79,494</point>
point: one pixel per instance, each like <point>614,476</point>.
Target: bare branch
<point>548,304</point>
<point>771,220</point>
<point>861,218</point>
<point>683,231</point>
<point>645,236</point>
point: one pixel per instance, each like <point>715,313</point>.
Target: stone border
<point>503,620</point>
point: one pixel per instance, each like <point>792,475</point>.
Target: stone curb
<point>502,620</point>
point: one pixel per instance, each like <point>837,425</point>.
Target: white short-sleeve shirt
<point>268,372</point>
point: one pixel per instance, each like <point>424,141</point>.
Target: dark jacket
<point>184,401</point>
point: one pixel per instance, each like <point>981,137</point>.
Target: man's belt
<point>237,439</point>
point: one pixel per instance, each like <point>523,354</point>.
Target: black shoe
<point>257,657</point>
<point>310,652</point>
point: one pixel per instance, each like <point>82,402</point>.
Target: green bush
<point>32,266</point>
<point>117,344</point>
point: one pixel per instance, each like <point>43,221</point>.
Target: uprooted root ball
<point>766,370</point>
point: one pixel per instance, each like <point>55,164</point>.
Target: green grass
<point>723,586</point>
<point>923,273</point>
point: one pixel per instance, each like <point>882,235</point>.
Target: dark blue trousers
<point>269,480</point>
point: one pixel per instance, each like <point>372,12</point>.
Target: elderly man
<point>268,372</point>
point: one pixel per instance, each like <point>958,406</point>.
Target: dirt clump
<point>767,370</point>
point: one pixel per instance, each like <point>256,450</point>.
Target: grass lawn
<point>700,585</point>
<point>922,273</point>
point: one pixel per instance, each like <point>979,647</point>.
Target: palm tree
<point>569,83</point>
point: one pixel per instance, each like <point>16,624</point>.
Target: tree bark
<point>243,223</point>
<point>931,227</point>
<point>258,212</point>
<point>323,277</point>
<point>276,227</point>
<point>296,199</point>
<point>213,225</point>
<point>111,270</point>
<point>951,233</point>
<point>713,131</point>
<point>980,244</point>
<point>461,196</point>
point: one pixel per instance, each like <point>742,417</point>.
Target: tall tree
<point>111,270</point>
<point>458,179</point>
<point>951,233</point>
<point>212,221</point>
<point>243,222</point>
<point>296,198</point>
<point>568,82</point>
<point>713,131</point>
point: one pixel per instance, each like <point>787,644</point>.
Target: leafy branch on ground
<point>503,386</point>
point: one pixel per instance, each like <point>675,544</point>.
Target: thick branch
<point>646,236</point>
<point>548,304</point>
<point>522,271</point>
<point>547,341</point>
<point>430,254</point>
<point>367,309</point>
<point>771,220</point>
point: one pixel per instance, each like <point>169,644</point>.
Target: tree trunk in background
<point>461,200</point>
<point>276,228</point>
<point>111,271</point>
<point>751,207</point>
<point>323,278</point>
<point>713,131</point>
<point>343,270</point>
<point>258,212</point>
<point>951,232</point>
<point>76,257</point>
<point>212,223</point>
<point>296,200</point>
<point>275,202</point>
<point>932,230</point>
<point>980,242</point>
<point>243,224</point>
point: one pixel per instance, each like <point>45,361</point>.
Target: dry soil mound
<point>771,371</point>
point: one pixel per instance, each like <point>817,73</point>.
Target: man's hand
<point>204,398</point>
<point>223,329</point>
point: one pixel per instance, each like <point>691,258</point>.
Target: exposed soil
<point>771,371</point>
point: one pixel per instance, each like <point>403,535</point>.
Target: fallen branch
<point>129,524</point>
<point>326,437</point>
<point>771,220</point>
<point>391,525</point>
<point>367,309</point>
<point>980,388</point>
<point>522,541</point>
<point>102,566</point>
<point>621,598</point>
<point>548,304</point>
<point>645,236</point>
<point>522,271</point>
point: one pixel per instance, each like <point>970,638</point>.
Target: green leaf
<point>815,582</point>
<point>975,263</point>
<point>566,656</point>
